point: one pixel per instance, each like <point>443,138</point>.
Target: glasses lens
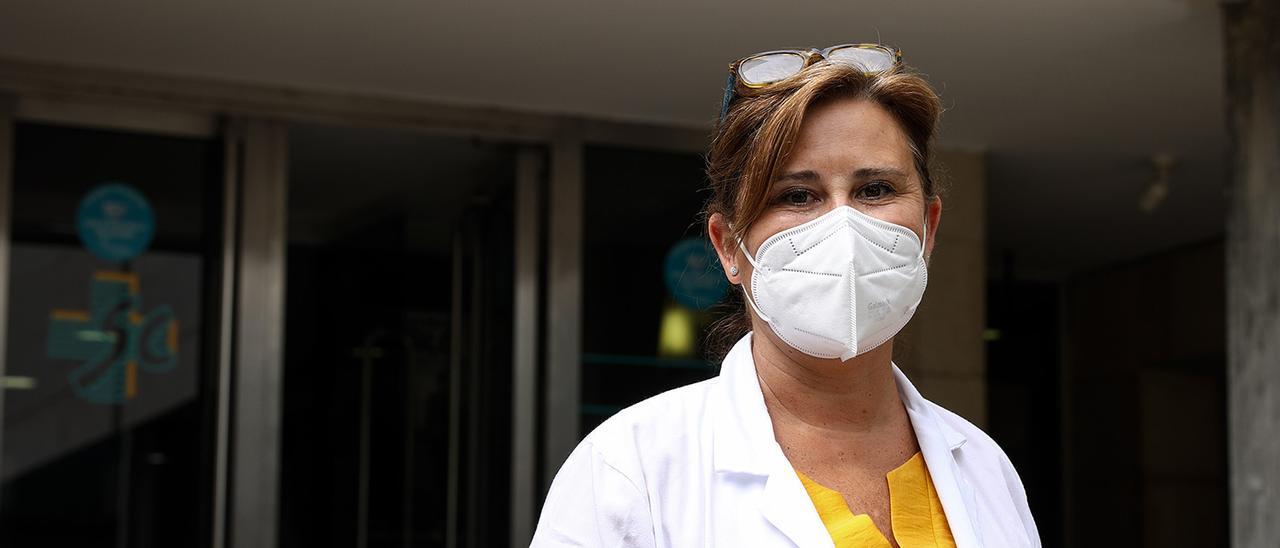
<point>866,58</point>
<point>771,67</point>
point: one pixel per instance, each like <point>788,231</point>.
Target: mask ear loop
<point>925,240</point>
<point>755,267</point>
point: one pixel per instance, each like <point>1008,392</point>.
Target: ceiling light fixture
<point>1158,189</point>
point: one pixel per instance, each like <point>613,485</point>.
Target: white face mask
<point>839,285</point>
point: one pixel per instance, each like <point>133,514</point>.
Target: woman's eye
<point>797,197</point>
<point>875,191</point>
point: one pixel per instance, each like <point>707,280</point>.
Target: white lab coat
<point>699,466</point>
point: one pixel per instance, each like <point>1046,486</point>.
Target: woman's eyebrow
<point>805,175</point>
<point>808,175</point>
<point>869,172</point>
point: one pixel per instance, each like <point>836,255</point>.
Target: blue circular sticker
<point>693,274</point>
<point>115,222</point>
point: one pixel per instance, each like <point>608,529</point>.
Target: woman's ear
<point>933,218</point>
<point>719,232</point>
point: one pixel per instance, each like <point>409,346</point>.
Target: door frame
<point>6,194</point>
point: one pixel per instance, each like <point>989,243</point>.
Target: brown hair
<point>754,139</point>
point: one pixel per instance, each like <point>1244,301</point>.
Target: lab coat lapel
<point>744,444</point>
<point>939,442</point>
<point>788,507</point>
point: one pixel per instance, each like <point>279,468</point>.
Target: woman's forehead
<point>849,134</point>
<point>856,141</point>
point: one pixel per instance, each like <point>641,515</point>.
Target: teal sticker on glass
<point>114,340</point>
<point>115,222</point>
<point>693,274</point>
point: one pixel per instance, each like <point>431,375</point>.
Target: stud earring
<point>733,270</point>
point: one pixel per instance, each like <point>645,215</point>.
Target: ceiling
<point>1068,97</point>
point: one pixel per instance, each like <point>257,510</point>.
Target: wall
<point>942,349</point>
<point>1145,402</point>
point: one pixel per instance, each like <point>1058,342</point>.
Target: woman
<point>824,214</point>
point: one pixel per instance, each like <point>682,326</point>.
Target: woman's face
<point>850,152</point>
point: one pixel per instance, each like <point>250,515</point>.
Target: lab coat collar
<point>744,441</point>
<point>940,443</point>
<point>916,404</point>
<point>745,444</point>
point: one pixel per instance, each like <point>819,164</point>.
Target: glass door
<point>108,385</point>
<point>645,326</point>
<point>397,383</point>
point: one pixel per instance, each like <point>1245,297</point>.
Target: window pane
<point>107,425</point>
<point>651,285</point>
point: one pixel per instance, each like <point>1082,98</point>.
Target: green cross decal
<point>113,339</point>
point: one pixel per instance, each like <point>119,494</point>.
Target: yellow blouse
<point>918,520</point>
